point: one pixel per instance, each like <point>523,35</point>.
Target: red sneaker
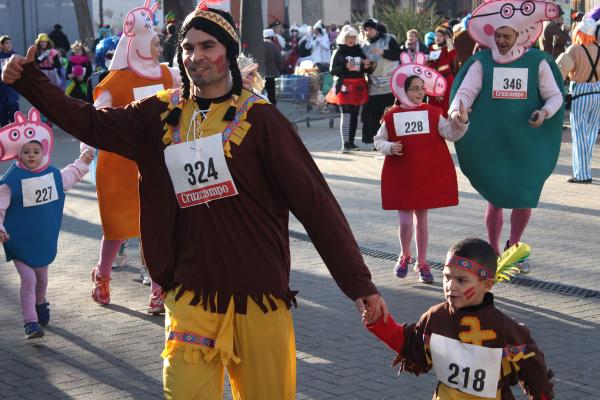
<point>156,305</point>
<point>101,291</point>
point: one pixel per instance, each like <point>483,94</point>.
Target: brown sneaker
<point>101,291</point>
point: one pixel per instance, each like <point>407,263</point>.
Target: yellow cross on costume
<point>475,335</point>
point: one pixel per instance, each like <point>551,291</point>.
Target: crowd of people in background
<point>358,59</point>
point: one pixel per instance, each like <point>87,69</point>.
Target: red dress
<point>353,92</point>
<point>424,176</point>
<point>443,65</point>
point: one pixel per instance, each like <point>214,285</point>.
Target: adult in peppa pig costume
<point>515,94</point>
<point>135,74</point>
<point>418,172</point>
<point>32,197</point>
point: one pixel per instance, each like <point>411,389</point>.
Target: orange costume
<point>116,176</point>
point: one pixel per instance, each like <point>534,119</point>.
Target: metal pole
<point>101,10</point>
<point>286,16</point>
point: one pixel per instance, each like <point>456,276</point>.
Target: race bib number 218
<point>466,367</point>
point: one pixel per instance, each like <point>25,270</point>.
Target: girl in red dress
<point>418,172</point>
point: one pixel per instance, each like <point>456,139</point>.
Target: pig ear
<point>19,117</point>
<point>34,115</point>
<point>405,58</point>
<point>420,58</point>
<point>400,79</point>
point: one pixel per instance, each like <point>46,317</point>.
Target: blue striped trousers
<point>585,122</point>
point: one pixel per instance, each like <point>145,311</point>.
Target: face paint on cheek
<point>469,293</point>
<point>221,64</point>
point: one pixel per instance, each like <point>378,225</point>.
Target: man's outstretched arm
<point>118,130</point>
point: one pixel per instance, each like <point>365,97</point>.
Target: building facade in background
<point>22,20</point>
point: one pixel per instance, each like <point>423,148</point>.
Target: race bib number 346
<point>510,83</point>
<point>466,367</point>
<point>39,190</point>
<point>411,123</point>
<point>199,171</point>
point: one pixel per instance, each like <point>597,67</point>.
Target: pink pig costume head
<point>435,83</point>
<point>133,50</point>
<point>525,17</point>
<point>14,136</point>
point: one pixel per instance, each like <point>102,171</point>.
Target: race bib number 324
<point>199,171</point>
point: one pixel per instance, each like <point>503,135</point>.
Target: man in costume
<point>441,57</point>
<point>220,170</point>
<point>514,138</point>
<point>383,54</point>
<point>134,74</point>
<point>580,64</point>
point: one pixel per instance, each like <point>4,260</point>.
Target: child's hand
<point>396,149</point>
<point>4,237</point>
<point>367,315</point>
<point>87,156</point>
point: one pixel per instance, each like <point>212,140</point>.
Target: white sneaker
<point>145,276</point>
<point>524,266</point>
<point>121,258</point>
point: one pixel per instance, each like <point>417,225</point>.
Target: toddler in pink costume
<point>32,194</point>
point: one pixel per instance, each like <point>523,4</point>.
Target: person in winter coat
<point>350,91</point>
<point>273,63</point>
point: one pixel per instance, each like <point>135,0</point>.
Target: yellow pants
<point>257,349</point>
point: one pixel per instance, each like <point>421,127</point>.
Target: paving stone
<point>92,352</point>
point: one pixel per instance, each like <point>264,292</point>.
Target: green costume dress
<point>506,160</point>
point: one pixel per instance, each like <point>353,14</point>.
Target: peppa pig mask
<point>133,50</point>
<point>525,17</point>
<point>14,136</point>
<point>435,83</point>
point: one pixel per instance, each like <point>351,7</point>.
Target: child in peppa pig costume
<point>515,93</point>
<point>418,172</point>
<point>32,196</point>
<point>135,73</point>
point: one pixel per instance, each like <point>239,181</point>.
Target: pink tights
<point>405,233</point>
<point>34,282</point>
<point>494,219</point>
<point>108,252</point>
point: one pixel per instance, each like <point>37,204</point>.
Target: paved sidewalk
<point>90,352</point>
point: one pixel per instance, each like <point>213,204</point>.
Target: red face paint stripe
<point>220,63</point>
<point>469,293</point>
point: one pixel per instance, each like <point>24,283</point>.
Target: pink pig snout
<point>551,10</point>
<point>439,86</point>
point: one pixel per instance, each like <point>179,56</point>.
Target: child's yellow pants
<point>258,349</point>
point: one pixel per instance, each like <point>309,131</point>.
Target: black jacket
<point>338,62</point>
<point>273,60</point>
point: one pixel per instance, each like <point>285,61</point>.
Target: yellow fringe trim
<point>512,361</point>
